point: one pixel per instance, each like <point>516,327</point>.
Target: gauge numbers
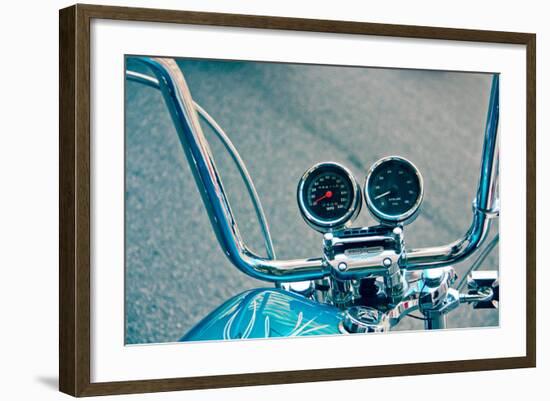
<point>328,196</point>
<point>394,190</point>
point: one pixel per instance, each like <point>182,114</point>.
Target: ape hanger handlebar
<point>185,115</point>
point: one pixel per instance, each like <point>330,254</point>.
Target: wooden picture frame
<point>74,199</point>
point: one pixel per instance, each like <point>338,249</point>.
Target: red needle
<point>327,195</point>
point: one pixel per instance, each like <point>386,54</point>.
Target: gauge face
<point>394,190</point>
<point>328,196</point>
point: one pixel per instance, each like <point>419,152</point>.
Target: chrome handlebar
<point>197,150</point>
<point>485,206</point>
<point>171,82</point>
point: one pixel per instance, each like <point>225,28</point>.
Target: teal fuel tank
<point>267,313</point>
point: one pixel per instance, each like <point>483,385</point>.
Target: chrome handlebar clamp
<point>361,253</point>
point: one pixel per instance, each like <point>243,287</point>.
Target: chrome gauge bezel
<point>324,225</point>
<point>403,218</point>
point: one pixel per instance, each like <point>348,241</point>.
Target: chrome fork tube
<point>180,104</point>
<point>436,321</point>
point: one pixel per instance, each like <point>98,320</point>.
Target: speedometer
<point>328,196</point>
<point>394,190</point>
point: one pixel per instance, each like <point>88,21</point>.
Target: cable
<point>220,133</point>
<point>480,259</point>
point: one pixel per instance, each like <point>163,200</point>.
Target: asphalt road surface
<point>284,118</point>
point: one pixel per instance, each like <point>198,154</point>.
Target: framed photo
<point>250,200</point>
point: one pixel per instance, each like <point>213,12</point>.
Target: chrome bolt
<point>342,266</point>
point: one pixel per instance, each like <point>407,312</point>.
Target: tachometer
<point>328,196</point>
<point>394,190</point>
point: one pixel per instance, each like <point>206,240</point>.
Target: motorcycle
<point>365,279</point>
